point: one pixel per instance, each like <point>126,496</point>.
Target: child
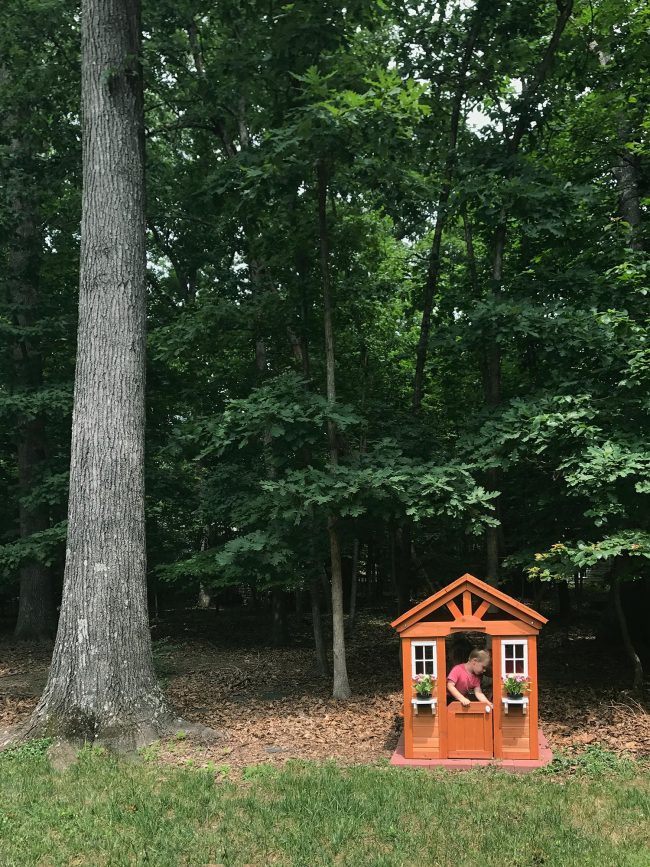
<point>464,679</point>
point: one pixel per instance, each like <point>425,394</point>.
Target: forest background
<point>397,301</point>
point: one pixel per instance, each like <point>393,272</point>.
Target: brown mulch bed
<point>271,707</point>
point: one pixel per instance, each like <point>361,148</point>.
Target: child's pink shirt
<point>464,681</point>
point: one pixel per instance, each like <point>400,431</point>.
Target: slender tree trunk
<point>36,621</point>
<point>204,599</point>
<point>630,650</point>
<point>433,271</point>
<point>370,569</point>
<point>280,631</point>
<point>353,585</point>
<point>279,624</point>
<point>626,173</point>
<point>471,257</point>
<point>317,625</point>
<point>492,379</point>
<point>326,586</point>
<point>380,573</point>
<point>626,170</point>
<point>102,685</point>
<point>341,686</point>
<point>492,392</point>
<point>537,593</point>
<point>394,577</point>
<point>492,542</point>
<point>491,370</point>
<point>319,579</point>
<point>564,602</point>
<point>405,567</point>
<point>362,450</point>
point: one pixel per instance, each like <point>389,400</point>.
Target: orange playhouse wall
<point>512,731</point>
<point>425,734</point>
<point>515,735</point>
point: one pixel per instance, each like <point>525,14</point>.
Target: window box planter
<point>424,703</point>
<point>521,701</point>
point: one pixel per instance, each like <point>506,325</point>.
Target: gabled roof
<point>476,587</point>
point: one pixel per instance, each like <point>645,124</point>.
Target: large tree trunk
<point>341,687</point>
<point>102,685</point>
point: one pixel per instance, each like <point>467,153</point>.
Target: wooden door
<point>469,731</point>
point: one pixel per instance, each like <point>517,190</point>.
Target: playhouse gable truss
<point>468,605</point>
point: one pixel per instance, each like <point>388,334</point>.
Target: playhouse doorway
<point>458,646</point>
<point>470,730</point>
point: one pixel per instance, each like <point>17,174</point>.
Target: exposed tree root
<point>123,738</point>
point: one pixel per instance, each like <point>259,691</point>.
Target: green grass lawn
<point>103,811</point>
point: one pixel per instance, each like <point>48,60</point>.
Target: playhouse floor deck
<point>514,765</point>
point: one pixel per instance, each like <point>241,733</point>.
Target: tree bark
<point>102,686</point>
<point>341,686</point>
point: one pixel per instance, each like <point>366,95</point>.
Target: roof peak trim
<point>480,588</point>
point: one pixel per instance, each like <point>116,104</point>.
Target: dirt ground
<point>218,669</point>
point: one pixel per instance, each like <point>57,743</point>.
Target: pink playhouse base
<point>514,765</point>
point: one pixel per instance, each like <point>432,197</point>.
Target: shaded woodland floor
<point>218,669</point>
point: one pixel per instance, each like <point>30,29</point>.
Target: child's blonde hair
<point>482,655</point>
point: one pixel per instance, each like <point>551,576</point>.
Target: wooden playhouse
<point>438,732</point>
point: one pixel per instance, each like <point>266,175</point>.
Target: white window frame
<point>520,642</point>
<point>433,644</point>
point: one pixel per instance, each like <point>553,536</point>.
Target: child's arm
<point>478,692</point>
<point>456,693</point>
